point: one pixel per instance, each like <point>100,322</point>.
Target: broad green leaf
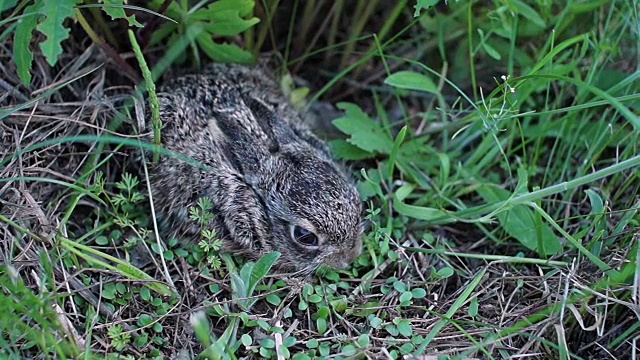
<point>366,133</point>
<point>404,327</point>
<point>321,324</point>
<point>519,222</point>
<point>22,55</point>
<point>238,286</point>
<point>246,339</point>
<point>7,4</point>
<point>55,13</point>
<point>223,52</point>
<point>412,80</point>
<point>523,182</point>
<point>245,274</point>
<point>262,267</point>
<point>116,11</point>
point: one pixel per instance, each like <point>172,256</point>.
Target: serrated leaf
<point>52,27</point>
<point>116,11</point>
<point>22,55</point>
<point>229,23</point>
<point>366,133</point>
<point>223,52</point>
<point>412,80</point>
<point>423,5</point>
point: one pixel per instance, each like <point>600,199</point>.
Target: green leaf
<point>423,5</point>
<point>22,55</point>
<point>416,212</point>
<point>597,205</point>
<point>412,80</point>
<point>245,274</point>
<point>7,4</point>
<point>268,343</point>
<point>262,267</point>
<point>473,307</point>
<point>445,272</point>
<point>241,7</point>
<point>363,340</point>
<point>312,343</point>
<point>116,11</point>
<point>145,320</point>
<point>343,150</point>
<point>406,296</point>
<point>366,133</point>
<point>528,12</point>
<point>321,324</point>
<point>273,299</point>
<point>52,26</point>
<point>246,339</point>
<point>323,312</point>
<point>145,293</point>
<point>491,51</point>
<point>228,23</point>
<point>223,52</point>
<point>418,293</point>
<point>519,222</point>
<point>404,328</point>
<point>375,322</point>
<point>238,287</point>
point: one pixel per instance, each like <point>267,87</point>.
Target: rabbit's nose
<point>341,258</point>
<point>338,262</point>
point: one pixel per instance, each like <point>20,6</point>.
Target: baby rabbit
<point>272,183</point>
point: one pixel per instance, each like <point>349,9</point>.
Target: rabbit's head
<point>313,209</point>
<point>314,212</point>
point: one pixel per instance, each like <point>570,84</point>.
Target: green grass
<point>496,147</point>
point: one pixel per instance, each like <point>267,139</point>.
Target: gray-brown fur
<point>265,171</point>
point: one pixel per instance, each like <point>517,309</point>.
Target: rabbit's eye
<point>304,236</point>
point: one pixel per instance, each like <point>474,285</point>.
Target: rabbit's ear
<point>268,122</point>
<point>245,142</point>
